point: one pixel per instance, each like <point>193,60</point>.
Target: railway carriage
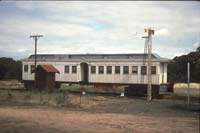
<point>104,69</point>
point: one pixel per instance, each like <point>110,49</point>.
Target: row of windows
<point>108,69</point>
<point>26,68</point>
<point>125,70</point>
<point>74,69</point>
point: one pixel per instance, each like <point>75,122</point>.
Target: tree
<point>198,49</point>
<point>10,69</point>
<point>177,68</point>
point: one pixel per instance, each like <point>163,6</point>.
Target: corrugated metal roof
<point>95,57</point>
<point>49,68</point>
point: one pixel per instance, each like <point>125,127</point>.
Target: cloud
<point>99,27</point>
<point>163,32</point>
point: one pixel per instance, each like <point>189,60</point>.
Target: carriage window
<point>117,69</point>
<point>109,69</point>
<point>143,70</point>
<point>25,68</point>
<point>66,69</point>
<point>93,69</point>
<point>153,69</point>
<point>125,69</point>
<point>73,69</point>
<point>134,69</point>
<point>32,68</point>
<point>101,69</point>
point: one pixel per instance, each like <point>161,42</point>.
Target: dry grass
<point>51,99</point>
<point>181,89</point>
<point>11,84</point>
<point>91,88</point>
<point>111,115</point>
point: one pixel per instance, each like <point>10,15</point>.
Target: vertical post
<point>149,88</point>
<point>188,77</point>
<point>35,60</point>
<point>149,63</point>
<point>35,37</point>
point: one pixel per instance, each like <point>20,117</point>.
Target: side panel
<point>27,75</point>
<point>62,76</point>
<point>100,78</point>
<point>121,78</point>
<point>67,77</point>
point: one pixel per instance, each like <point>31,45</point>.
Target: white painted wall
<point>62,76</point>
<point>121,78</point>
<point>103,78</point>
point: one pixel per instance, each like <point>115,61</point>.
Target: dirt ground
<point>110,114</point>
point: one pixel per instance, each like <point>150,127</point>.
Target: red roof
<point>49,68</point>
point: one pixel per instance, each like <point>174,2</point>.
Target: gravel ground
<point>109,114</point>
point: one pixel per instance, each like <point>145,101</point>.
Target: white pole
<point>188,96</point>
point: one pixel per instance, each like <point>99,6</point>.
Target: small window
<point>101,69</point>
<point>25,68</point>
<point>134,69</point>
<point>117,69</point>
<point>143,70</point>
<point>93,69</point>
<point>153,69</point>
<point>73,69</point>
<point>32,68</point>
<point>109,69</point>
<point>125,69</point>
<point>66,69</point>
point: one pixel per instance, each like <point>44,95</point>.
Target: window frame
<point>116,72</point>
<point>135,71</point>
<point>110,71</point>
<point>67,66</point>
<point>100,69</point>
<point>26,67</point>
<point>32,68</point>
<point>74,72</point>
<point>93,72</point>
<point>127,70</point>
<point>153,71</point>
<point>145,72</point>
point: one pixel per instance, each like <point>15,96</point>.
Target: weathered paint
<point>160,77</point>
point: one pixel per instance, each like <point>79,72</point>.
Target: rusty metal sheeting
<point>49,68</point>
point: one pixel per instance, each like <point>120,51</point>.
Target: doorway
<point>84,72</point>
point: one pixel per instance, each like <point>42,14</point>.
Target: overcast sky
<point>98,27</point>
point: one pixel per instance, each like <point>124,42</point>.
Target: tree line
<point>177,68</point>
<point>10,69</point>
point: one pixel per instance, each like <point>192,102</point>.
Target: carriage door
<point>84,72</point>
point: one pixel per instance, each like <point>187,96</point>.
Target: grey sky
<point>98,27</point>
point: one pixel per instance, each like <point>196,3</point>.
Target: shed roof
<point>49,68</point>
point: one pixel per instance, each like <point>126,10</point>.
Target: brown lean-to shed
<point>45,76</point>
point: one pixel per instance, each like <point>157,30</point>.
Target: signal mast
<point>149,46</point>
